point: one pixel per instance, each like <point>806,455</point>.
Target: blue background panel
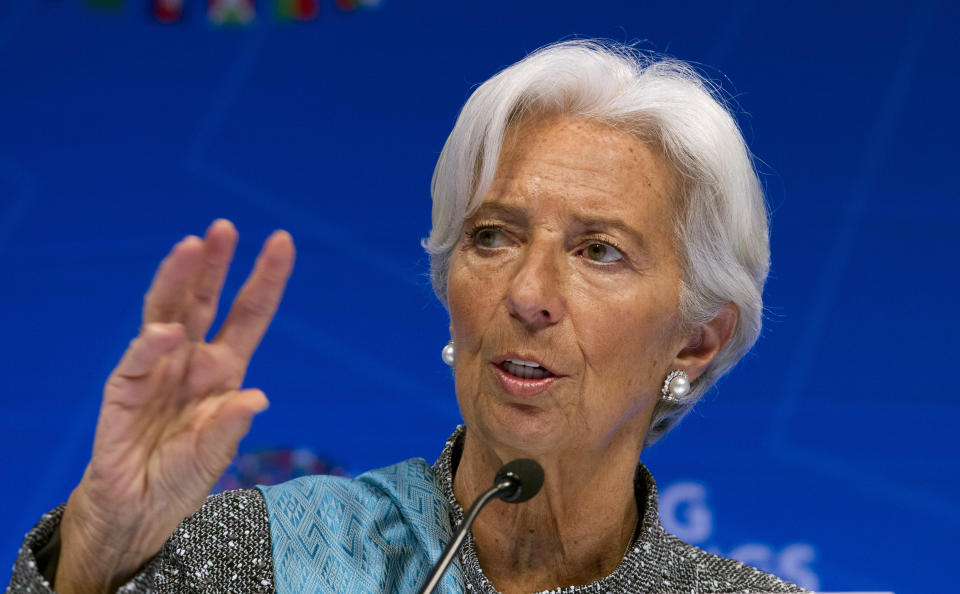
<point>828,456</point>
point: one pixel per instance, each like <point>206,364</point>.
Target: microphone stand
<point>433,580</point>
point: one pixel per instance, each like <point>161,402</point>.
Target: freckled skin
<point>610,330</point>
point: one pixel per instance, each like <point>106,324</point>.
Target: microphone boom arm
<point>516,482</point>
<point>450,551</point>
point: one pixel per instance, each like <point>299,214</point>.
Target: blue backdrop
<point>830,454</point>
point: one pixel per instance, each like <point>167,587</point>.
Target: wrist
<point>95,556</point>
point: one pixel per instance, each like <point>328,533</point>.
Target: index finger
<point>257,301</point>
<point>164,301</point>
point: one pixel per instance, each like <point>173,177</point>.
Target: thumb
<point>230,423</point>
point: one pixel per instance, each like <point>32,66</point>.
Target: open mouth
<point>525,369</point>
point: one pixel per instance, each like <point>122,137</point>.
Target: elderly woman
<point>600,241</point>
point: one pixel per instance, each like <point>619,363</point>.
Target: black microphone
<point>516,482</point>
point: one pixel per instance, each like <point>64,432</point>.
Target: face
<point>564,291</point>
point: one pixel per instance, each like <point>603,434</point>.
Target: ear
<point>706,341</point>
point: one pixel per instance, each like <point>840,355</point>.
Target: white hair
<point>721,226</point>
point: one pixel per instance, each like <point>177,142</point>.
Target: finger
<point>130,385</point>
<point>155,341</point>
<point>165,300</point>
<point>235,414</point>
<point>257,301</point>
<point>218,247</point>
<point>227,425</point>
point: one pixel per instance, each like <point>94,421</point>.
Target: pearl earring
<point>676,387</point>
<point>447,353</point>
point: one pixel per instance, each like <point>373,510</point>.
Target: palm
<point>173,411</point>
<point>160,453</point>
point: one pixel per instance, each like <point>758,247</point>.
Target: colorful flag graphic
<point>168,11</point>
<point>299,10</point>
<point>351,5</point>
<point>231,12</point>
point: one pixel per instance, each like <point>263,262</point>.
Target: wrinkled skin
<point>173,410</point>
<point>569,262</point>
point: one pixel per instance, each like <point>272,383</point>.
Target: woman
<point>600,241</point>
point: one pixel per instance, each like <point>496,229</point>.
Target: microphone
<point>516,482</point>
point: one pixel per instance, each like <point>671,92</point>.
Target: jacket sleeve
<point>36,563</point>
<point>223,547</point>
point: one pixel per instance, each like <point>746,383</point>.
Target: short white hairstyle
<point>721,226</point>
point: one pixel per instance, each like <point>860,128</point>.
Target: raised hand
<point>173,410</point>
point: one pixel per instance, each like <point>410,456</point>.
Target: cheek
<point>469,302</point>
<point>626,343</point>
<point>472,300</point>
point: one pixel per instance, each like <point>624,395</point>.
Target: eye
<point>489,237</point>
<point>603,253</point>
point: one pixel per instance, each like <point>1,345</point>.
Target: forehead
<point>584,166</point>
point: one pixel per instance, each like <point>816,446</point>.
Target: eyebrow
<point>602,223</point>
<point>496,209</point>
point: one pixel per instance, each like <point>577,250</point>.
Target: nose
<point>535,294</point>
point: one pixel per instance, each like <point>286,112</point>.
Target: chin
<point>523,430</point>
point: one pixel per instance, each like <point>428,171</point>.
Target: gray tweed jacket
<point>226,547</point>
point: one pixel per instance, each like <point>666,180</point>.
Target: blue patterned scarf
<point>380,532</point>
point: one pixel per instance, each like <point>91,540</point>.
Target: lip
<point>520,387</point>
<point>523,388</point>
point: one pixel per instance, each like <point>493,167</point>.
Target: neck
<point>574,532</point>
